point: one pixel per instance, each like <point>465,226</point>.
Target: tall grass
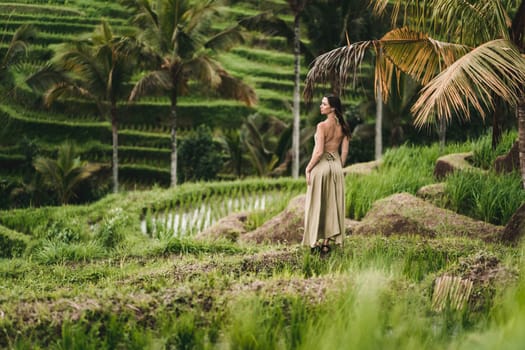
<point>404,169</point>
<point>367,314</point>
<point>505,327</point>
<point>490,197</point>
<point>483,155</point>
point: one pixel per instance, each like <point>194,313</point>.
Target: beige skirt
<point>325,202</point>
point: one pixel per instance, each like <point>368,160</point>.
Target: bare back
<point>333,135</point>
<point>329,137</point>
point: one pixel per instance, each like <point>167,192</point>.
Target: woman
<point>325,196</point>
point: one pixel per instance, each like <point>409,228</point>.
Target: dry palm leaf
<point>495,68</point>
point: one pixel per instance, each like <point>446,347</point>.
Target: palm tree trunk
<point>296,98</point>
<point>114,134</point>
<point>442,133</point>
<point>379,125</point>
<point>173,112</point>
<point>496,123</point>
<point>520,111</point>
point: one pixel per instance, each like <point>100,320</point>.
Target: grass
<point>485,196</point>
<point>57,21</point>
<point>405,169</point>
<point>484,155</point>
<point>209,297</point>
<point>88,278</point>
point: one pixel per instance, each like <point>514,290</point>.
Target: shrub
<point>199,156</point>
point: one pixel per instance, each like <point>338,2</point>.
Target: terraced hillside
<point>144,141</point>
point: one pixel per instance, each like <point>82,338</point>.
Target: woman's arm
<point>344,149</point>
<point>317,152</point>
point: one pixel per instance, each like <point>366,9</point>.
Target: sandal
<point>316,249</point>
<point>325,249</point>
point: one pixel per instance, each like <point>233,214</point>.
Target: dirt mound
<point>362,168</point>
<point>508,162</point>
<point>286,227</point>
<point>452,162</point>
<point>403,213</point>
<point>472,281</point>
<point>432,193</point>
<point>229,227</point>
<point>314,289</point>
<point>392,224</point>
<point>515,228</point>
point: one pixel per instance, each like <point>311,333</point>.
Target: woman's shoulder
<point>322,125</point>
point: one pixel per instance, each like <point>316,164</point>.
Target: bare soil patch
<point>403,213</point>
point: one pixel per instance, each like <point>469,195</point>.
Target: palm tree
<point>175,32</point>
<point>297,6</point>
<point>341,65</point>
<point>494,67</point>
<point>232,144</point>
<point>263,142</point>
<point>65,173</point>
<point>458,75</point>
<point>96,69</point>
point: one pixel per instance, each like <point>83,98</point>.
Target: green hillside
<point>261,61</point>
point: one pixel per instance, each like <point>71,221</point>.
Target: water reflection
<point>183,221</point>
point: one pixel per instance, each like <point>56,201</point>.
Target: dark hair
<point>335,103</point>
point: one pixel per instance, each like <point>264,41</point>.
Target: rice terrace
<point>152,174</point>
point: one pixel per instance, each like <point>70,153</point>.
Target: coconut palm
<point>342,64</point>
<point>65,173</point>
<point>494,67</point>
<point>297,6</point>
<point>232,144</point>
<point>458,75</point>
<point>177,35</point>
<point>261,137</point>
<point>97,69</point>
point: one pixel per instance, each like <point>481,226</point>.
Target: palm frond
<point>418,55</point>
<point>473,22</point>
<point>380,7</point>
<point>143,14</point>
<point>46,77</point>
<point>205,70</point>
<point>494,68</point>
<point>260,157</point>
<point>15,50</point>
<point>200,14</point>
<point>183,44</point>
<point>153,81</point>
<point>65,90</point>
<point>19,43</point>
<point>85,66</point>
<point>231,87</point>
<point>26,32</point>
<point>336,65</point>
<point>225,40</point>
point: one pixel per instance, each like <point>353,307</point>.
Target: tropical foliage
<point>182,46</point>
<point>64,174</point>
<point>456,77</point>
<point>98,69</point>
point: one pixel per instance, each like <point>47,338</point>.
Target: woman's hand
<point>307,178</point>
